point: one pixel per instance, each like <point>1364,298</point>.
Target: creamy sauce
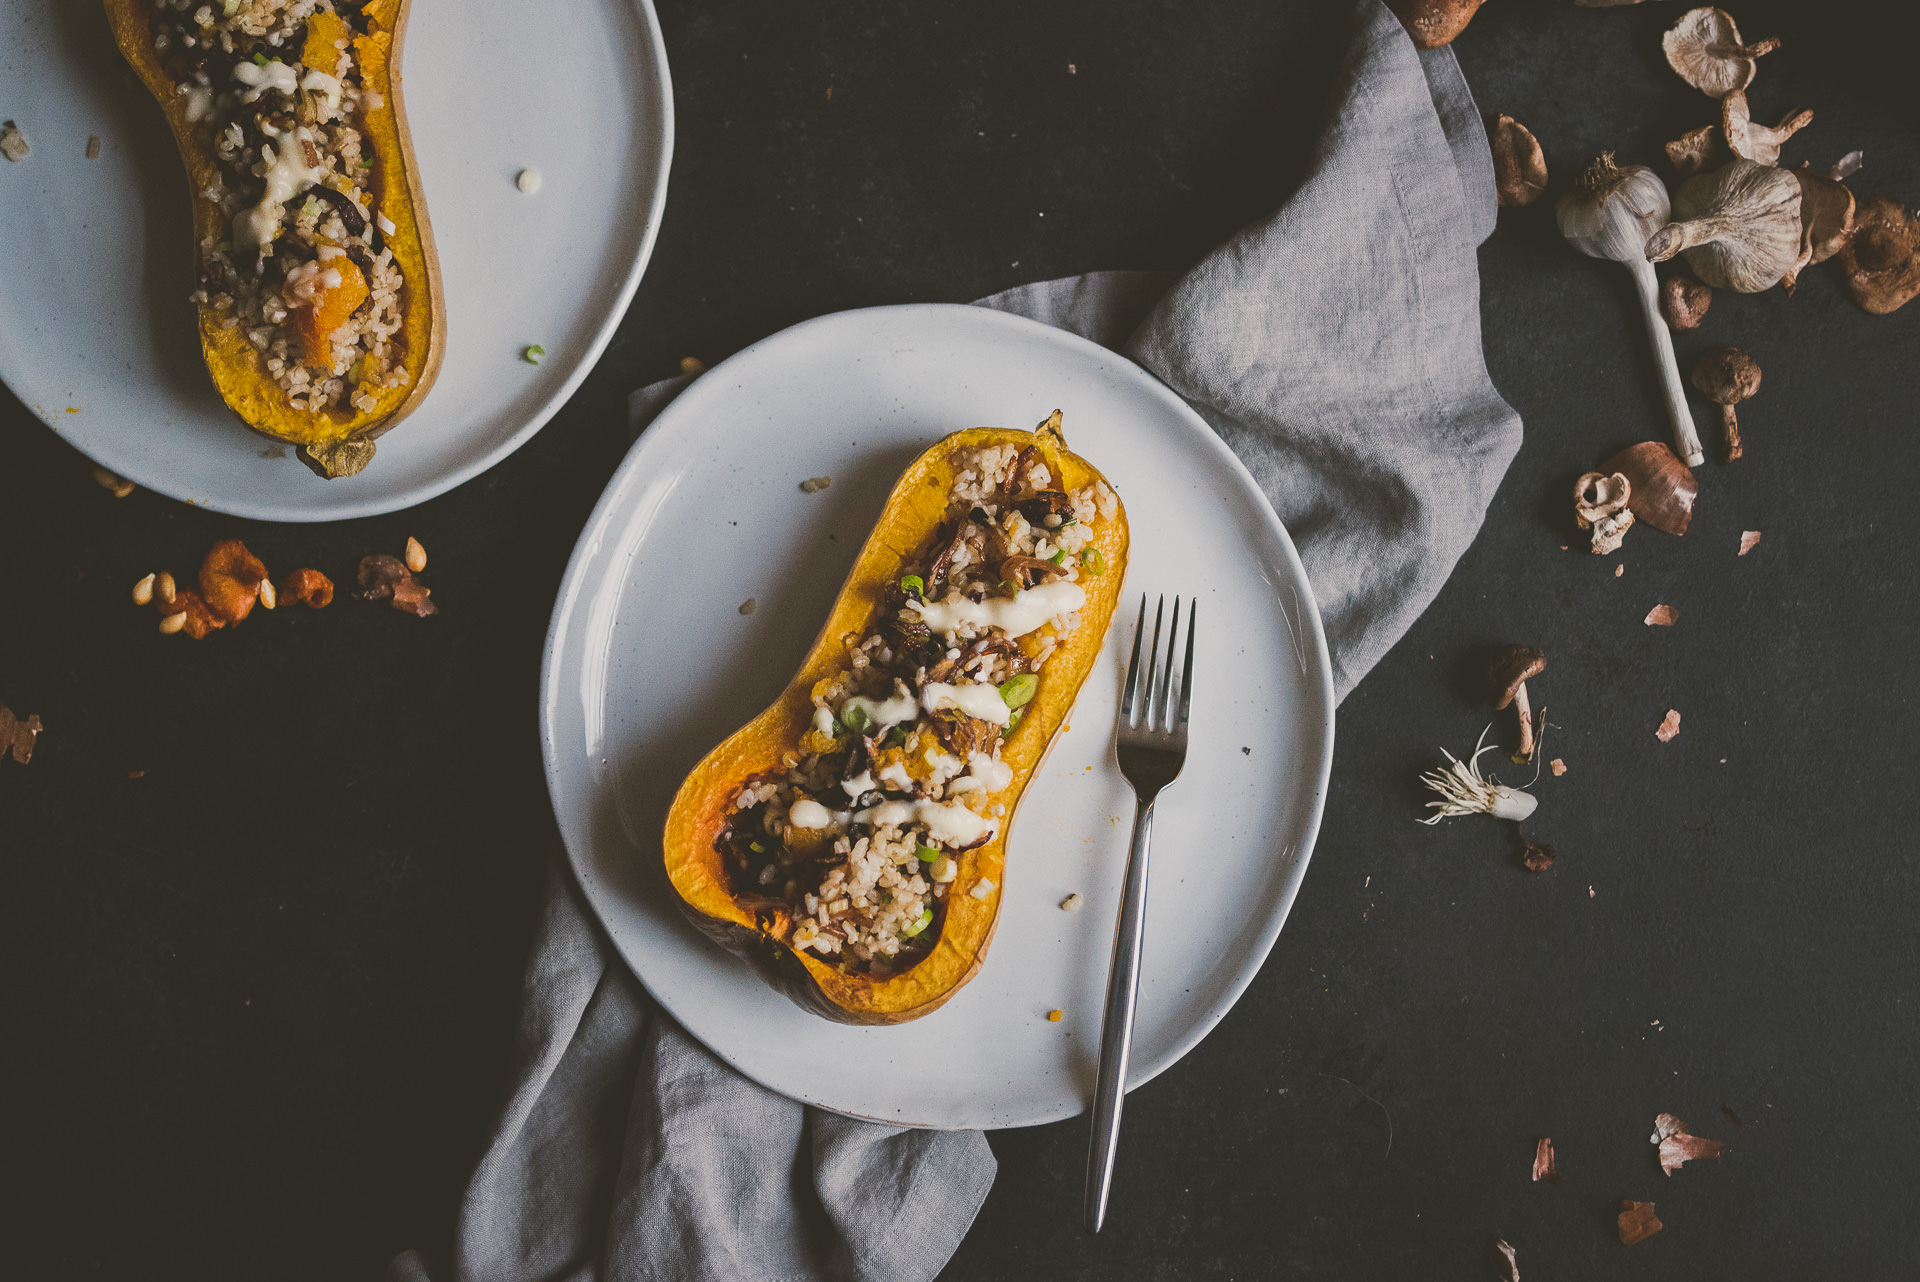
<point>984,774</point>
<point>811,815</point>
<point>1017,615</point>
<point>860,783</point>
<point>895,775</point>
<point>276,75</point>
<point>323,84</point>
<point>199,103</point>
<point>982,701</point>
<point>951,825</point>
<point>823,721</point>
<point>253,229</point>
<point>881,714</point>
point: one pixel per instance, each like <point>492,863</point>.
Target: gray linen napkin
<point>1336,347</point>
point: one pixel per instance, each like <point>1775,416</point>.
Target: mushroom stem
<point>1525,711</point>
<point>1731,423</point>
<point>1686,441</point>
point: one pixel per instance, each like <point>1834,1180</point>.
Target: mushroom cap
<point>1727,375</point>
<point>1434,23</point>
<point>1511,669</point>
<point>1704,47</point>
<point>1694,150</point>
<point>1880,262</point>
<point>1684,302</point>
<point>1519,166</point>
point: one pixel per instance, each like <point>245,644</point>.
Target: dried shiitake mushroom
<point>1434,23</point>
<point>1694,150</point>
<point>1519,166</point>
<point>1705,48</point>
<point>1509,673</point>
<point>1880,262</point>
<point>1663,488</point>
<point>1727,376</point>
<point>1739,226</point>
<point>1684,302</point>
<point>1757,143</point>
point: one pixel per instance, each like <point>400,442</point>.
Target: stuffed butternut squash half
<point>317,289</point>
<point>850,841</point>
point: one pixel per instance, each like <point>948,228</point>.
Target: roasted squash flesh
<point>850,841</point>
<point>317,289</point>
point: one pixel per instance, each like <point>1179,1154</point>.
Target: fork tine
<point>1186,674</point>
<point>1163,695</point>
<point>1133,665</point>
<point>1153,667</point>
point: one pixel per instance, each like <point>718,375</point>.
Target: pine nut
<point>163,589</point>
<point>269,597</point>
<point>143,591</point>
<point>120,486</point>
<point>416,555</point>
<point>173,623</point>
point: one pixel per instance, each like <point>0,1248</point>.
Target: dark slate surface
<point>259,1000</point>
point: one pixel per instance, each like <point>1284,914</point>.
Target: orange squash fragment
<point>342,288</point>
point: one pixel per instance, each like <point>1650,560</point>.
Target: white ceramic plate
<point>96,334</point>
<point>649,663</point>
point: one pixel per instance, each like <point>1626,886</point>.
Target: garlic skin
<point>1609,214</point>
<point>1739,226</point>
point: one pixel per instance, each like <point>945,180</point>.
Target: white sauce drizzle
<point>949,825</point>
<point>881,714</point>
<point>1023,612</point>
<point>982,701</point>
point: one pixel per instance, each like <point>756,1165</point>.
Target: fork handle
<point>1116,1032</point>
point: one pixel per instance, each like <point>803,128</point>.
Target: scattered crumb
<point>13,143</point>
<point>1563,547</point>
<point>118,486</point>
<point>1731,1116</point>
<point>1543,1168</point>
<point>93,146</point>
<point>1637,1222</point>
<point>1055,1016</point>
<point>814,484</point>
<point>1589,892</point>
<point>1503,1263</point>
<point>1071,904</point>
<point>136,774</point>
<point>1669,727</point>
<point>1664,616</point>
<point>1537,858</point>
<point>1619,570</point>
<point>17,736</point>
<point>1747,539</point>
<point>528,181</point>
<point>1677,1146</point>
<point>1072,70</point>
<point>1246,752</point>
<point>1558,767</point>
<point>749,605</point>
<point>692,365</point>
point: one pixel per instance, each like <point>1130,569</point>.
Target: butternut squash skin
<point>759,932</point>
<point>331,444</point>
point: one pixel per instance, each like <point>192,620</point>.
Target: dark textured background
<point>258,1002</point>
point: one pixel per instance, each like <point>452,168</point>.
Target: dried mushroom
<point>1705,48</point>
<point>16,736</point>
<point>309,587</point>
<point>1758,143</point>
<point>1637,1222</point>
<point>1663,488</point>
<point>1684,302</point>
<point>1600,504</point>
<point>1677,1147</point>
<point>1826,214</point>
<point>1880,262</point>
<point>1727,376</point>
<point>1519,166</point>
<point>1694,150</point>
<point>1510,671</point>
<point>1543,1164</point>
<point>386,578</point>
<point>1434,23</point>
<point>230,579</point>
<point>1739,226</point>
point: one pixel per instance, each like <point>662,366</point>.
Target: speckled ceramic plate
<point>650,663</point>
<point>97,336</point>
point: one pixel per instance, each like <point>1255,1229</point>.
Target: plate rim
<point>590,540</point>
<point>454,477</point>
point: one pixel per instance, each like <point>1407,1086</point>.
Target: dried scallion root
<point>1465,791</point>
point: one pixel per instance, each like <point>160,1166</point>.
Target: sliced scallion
<point>260,59</point>
<point>855,718</point>
<point>1094,560</point>
<point>1059,556</point>
<point>533,354</point>
<point>920,923</point>
<point>1017,691</point>
<point>914,584</point>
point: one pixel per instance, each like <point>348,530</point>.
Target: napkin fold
<point>1335,346</point>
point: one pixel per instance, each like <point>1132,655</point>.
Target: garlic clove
<point>1519,166</point>
<point>1705,49</point>
<point>1663,488</point>
<point>1757,143</point>
<point>1739,226</point>
<point>1694,150</point>
<point>1880,261</point>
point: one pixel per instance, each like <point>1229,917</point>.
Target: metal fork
<point>1153,747</point>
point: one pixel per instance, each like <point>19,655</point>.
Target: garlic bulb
<point>1739,226</point>
<point>1609,214</point>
